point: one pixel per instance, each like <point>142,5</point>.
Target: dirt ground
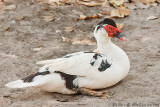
<point>31,39</point>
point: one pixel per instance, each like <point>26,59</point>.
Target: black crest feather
<point>108,21</point>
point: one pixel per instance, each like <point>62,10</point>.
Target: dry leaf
<point>10,7</point>
<point>124,12</point>
<point>152,1</point>
<point>87,0</point>
<point>122,7</point>
<point>115,13</point>
<point>20,18</point>
<point>147,1</point>
<point>120,12</point>
<point>106,4</point>
<point>158,1</point>
<point>96,50</point>
<point>105,12</point>
<point>48,18</point>
<point>101,0</point>
<point>154,4</point>
<point>95,16</point>
<point>141,5</point>
<point>90,4</point>
<point>69,29</point>
<point>6,28</point>
<point>83,17</point>
<point>151,18</point>
<point>120,25</point>
<point>116,2</point>
<point>57,2</point>
<point>108,17</point>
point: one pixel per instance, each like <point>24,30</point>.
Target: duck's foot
<point>93,93</point>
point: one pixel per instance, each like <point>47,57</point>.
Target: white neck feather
<point>109,49</point>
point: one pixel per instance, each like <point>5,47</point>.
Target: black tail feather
<point>30,77</point>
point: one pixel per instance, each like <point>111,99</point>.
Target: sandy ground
<point>30,40</point>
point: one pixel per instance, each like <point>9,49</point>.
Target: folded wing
<point>80,63</point>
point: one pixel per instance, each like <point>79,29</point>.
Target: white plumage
<point>82,69</point>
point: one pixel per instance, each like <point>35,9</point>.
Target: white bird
<point>82,72</point>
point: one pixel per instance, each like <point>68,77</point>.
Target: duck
<point>83,72</point>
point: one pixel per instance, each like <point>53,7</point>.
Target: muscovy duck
<point>83,72</point>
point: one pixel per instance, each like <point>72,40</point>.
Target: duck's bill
<point>120,36</point>
<point>122,39</point>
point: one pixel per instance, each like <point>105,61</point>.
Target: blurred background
<point>34,30</point>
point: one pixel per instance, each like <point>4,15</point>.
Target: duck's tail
<point>18,84</point>
<point>36,79</point>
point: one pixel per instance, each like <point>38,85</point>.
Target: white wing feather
<point>79,64</point>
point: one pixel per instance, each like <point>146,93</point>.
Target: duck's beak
<point>122,39</point>
<point>119,36</point>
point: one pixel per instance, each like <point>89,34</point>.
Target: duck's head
<point>107,29</point>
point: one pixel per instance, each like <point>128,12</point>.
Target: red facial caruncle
<point>111,30</point>
<point>114,32</point>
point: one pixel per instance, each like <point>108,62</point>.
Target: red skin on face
<point>111,30</point>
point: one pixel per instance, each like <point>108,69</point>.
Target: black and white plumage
<point>82,69</point>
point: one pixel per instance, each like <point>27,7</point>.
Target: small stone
<point>13,21</point>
